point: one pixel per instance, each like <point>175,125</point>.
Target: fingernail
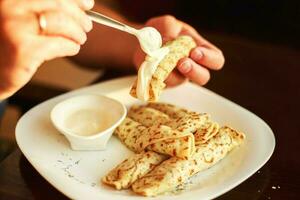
<point>185,67</point>
<point>88,4</point>
<point>197,54</point>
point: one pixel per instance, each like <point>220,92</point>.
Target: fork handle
<point>102,19</point>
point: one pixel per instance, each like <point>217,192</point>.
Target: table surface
<point>262,78</point>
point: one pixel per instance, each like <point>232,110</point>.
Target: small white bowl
<point>88,121</point>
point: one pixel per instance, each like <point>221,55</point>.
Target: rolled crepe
<point>129,131</point>
<point>160,138</point>
<point>185,120</point>
<point>169,109</point>
<point>175,171</point>
<point>170,115</point>
<point>133,168</point>
<point>207,131</point>
<point>148,116</point>
<point>190,122</point>
<point>178,48</point>
<point>163,139</point>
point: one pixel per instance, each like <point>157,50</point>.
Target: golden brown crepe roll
<point>160,138</point>
<point>178,49</point>
<point>148,116</point>
<point>207,131</point>
<point>163,139</point>
<point>128,132</point>
<point>190,122</point>
<point>169,109</point>
<point>197,123</point>
<point>170,115</point>
<point>175,171</point>
<point>133,168</point>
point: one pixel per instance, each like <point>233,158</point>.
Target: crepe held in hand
<point>160,138</point>
<point>151,77</point>
<point>133,168</point>
<point>175,171</point>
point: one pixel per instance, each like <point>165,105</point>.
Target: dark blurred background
<point>271,21</point>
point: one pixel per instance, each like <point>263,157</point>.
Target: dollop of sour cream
<point>146,72</point>
<point>151,42</point>
<point>150,39</point>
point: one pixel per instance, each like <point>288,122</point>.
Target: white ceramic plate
<point>77,174</point>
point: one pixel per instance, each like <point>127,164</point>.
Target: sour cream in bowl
<point>88,121</point>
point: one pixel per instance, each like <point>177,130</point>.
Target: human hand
<point>34,31</point>
<point>203,58</point>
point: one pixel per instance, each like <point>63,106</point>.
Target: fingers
<point>38,6</point>
<point>205,54</point>
<point>73,8</point>
<point>31,55</point>
<point>210,58</point>
<point>193,71</point>
<point>188,70</point>
<point>189,30</point>
<point>202,58</point>
<point>174,79</point>
<point>60,24</point>
<point>86,4</point>
<point>54,47</point>
<point>167,25</point>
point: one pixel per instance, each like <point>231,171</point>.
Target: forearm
<point>107,46</point>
